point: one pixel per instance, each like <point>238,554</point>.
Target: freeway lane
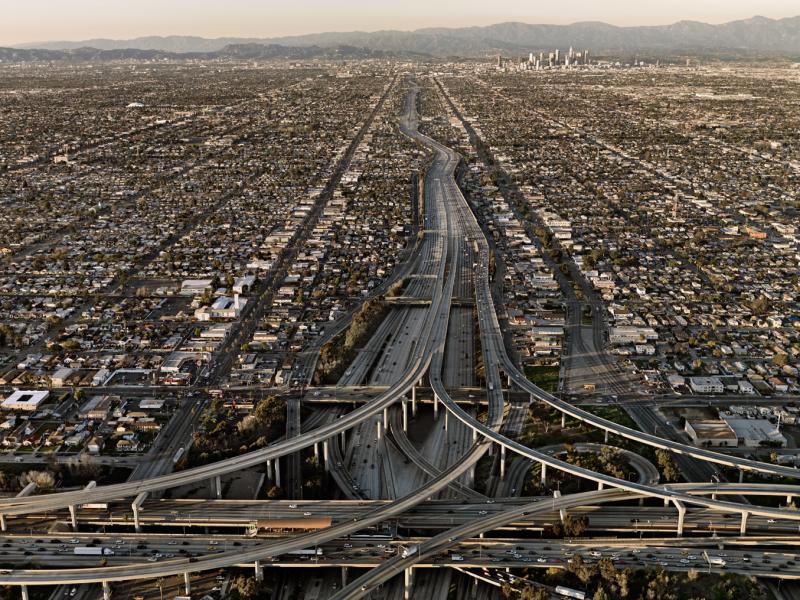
<point>522,382</point>
<point>435,339</point>
<point>368,582</point>
<point>439,513</point>
<point>448,203</point>
<point>495,354</point>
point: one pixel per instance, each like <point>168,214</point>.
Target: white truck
<point>92,551</point>
<point>717,561</point>
<point>570,593</point>
<point>408,551</point>
<point>306,552</point>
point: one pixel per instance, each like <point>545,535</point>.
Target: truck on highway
<point>456,557</point>
<point>717,561</point>
<point>92,551</point>
<point>178,455</point>
<point>570,593</point>
<point>408,551</point>
<point>308,552</point>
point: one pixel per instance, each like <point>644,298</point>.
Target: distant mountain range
<point>758,35</point>
<point>249,51</point>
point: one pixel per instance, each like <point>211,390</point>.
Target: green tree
<point>668,467</point>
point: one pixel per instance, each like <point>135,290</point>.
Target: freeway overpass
<point>453,241</point>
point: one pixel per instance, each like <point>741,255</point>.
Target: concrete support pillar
<point>107,591</point>
<point>435,406</point>
<point>599,486</point>
<point>681,515</point>
<point>386,418</point>
<point>136,507</point>
<point>24,590</point>
<point>218,486</point>
<point>414,401</point>
<point>446,419</point>
<point>326,456</point>
<point>378,425</point>
<point>344,576</point>
<point>789,499</point>
<point>343,441</point>
<point>270,475</point>
<point>743,524</point>
<point>259,571</point>
<point>606,436</point>
<point>278,472</point>
<point>502,462</point>
<point>474,588</point>
<point>405,416</point>
<point>563,420</point>
<point>3,524</point>
<point>73,517</point>
<point>31,487</point>
<point>544,474</point>
<point>408,577</point>
<point>562,513</point>
<point>187,583</point>
<point>741,476</point>
<point>471,477</point>
<point>474,435</point>
<point>510,383</point>
<point>532,399</point>
<point>316,451</point>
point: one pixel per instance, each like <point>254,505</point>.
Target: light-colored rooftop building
<point>193,287</point>
<point>711,432</point>
<point>224,307</point>
<point>28,401</point>
<point>755,433</point>
<point>706,385</point>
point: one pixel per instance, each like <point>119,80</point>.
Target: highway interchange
<point>389,477</point>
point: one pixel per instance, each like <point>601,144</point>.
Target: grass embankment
<point>340,351</point>
<point>544,376</point>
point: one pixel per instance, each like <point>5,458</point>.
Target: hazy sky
<point>43,20</point>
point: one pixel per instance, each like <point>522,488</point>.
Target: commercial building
<point>224,307</point>
<point>631,335</point>
<point>756,433</point>
<point>706,385</point>
<point>194,287</point>
<point>27,401</point>
<point>711,432</point>
<point>96,408</point>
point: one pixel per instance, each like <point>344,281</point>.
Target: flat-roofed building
<point>60,377</point>
<point>706,385</point>
<point>711,432</point>
<point>756,433</point>
<point>223,307</point>
<point>631,335</point>
<point>195,287</point>
<point>27,401</point>
<point>96,408</point>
